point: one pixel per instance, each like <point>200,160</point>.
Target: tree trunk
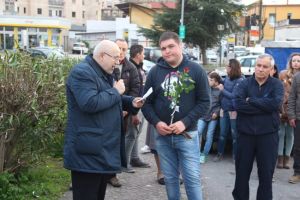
<point>203,55</point>
<point>2,152</point>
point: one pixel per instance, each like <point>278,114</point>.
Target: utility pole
<point>260,22</point>
<point>182,27</point>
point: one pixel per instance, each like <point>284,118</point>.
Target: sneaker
<point>218,158</point>
<point>138,163</point>
<point>295,179</point>
<point>145,149</point>
<point>202,158</point>
<point>128,170</point>
<point>114,181</point>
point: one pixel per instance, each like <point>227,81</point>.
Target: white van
<point>80,48</point>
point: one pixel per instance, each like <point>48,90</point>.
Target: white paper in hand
<point>150,90</point>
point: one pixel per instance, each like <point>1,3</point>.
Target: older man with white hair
<point>258,101</point>
<point>94,138</point>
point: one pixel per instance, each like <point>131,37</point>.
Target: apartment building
<point>272,13</point>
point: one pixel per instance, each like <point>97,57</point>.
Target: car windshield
<point>79,45</point>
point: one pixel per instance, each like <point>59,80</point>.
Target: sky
<point>247,2</point>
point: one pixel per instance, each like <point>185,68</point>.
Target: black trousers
<point>264,149</point>
<point>88,186</point>
<point>297,148</point>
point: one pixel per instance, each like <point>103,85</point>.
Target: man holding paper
<point>175,115</point>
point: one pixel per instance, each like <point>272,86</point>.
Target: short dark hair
<point>169,35</point>
<point>235,71</point>
<point>215,76</point>
<point>135,49</point>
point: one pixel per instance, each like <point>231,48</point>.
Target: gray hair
<point>267,56</point>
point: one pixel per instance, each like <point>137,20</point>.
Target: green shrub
<point>32,108</point>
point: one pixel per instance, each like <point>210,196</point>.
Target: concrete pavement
<point>217,182</point>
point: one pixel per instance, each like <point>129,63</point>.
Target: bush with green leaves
<point>32,108</point>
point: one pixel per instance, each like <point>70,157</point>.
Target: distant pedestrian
<point>258,101</point>
<point>211,119</point>
<point>94,138</point>
<point>293,112</point>
<point>228,113</point>
<point>174,114</point>
<point>286,132</point>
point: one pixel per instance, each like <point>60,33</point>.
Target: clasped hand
<point>176,128</point>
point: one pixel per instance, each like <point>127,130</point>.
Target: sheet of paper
<point>150,90</point>
<point>147,93</point>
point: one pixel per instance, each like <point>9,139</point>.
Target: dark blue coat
<point>258,106</point>
<point>227,95</point>
<point>94,137</point>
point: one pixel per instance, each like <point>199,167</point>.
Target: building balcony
<point>56,2</point>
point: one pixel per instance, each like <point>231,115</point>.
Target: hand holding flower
<point>177,127</point>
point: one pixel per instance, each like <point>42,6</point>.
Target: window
<point>50,13</point>
<point>39,11</point>
<point>18,9</point>
<point>73,1</point>
<point>272,19</point>
<point>289,16</point>
<point>56,13</point>
<point>60,13</point>
<point>24,10</point>
<point>73,14</point>
<point>83,2</point>
<point>83,14</point>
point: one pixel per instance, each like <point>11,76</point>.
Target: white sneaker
<point>202,158</point>
<point>145,149</point>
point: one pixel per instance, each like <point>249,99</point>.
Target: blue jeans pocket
<point>89,141</point>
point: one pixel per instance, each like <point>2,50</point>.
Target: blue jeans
<point>177,155</point>
<point>227,124</point>
<point>209,134</point>
<point>286,139</point>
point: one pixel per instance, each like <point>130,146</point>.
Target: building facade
<point>272,12</point>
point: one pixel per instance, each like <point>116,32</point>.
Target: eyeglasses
<point>296,61</point>
<point>115,58</point>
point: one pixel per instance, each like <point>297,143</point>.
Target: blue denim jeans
<point>227,124</point>
<point>177,155</point>
<point>286,139</point>
<point>209,134</point>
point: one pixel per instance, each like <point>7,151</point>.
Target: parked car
<point>36,53</point>
<point>80,48</point>
<point>152,53</point>
<point>50,52</point>
<point>211,56</point>
<point>248,64</point>
<point>147,65</point>
<point>239,50</point>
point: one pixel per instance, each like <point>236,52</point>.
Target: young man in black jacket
<point>175,119</point>
<point>258,101</point>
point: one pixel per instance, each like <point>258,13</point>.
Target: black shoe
<point>161,181</point>
<point>139,163</point>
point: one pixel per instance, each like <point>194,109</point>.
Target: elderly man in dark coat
<point>94,138</point>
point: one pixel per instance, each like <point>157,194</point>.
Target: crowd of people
<point>106,111</point>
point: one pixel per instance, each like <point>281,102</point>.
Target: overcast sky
<point>247,2</point>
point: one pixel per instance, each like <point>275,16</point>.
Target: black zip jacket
<point>258,106</point>
<point>192,106</point>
